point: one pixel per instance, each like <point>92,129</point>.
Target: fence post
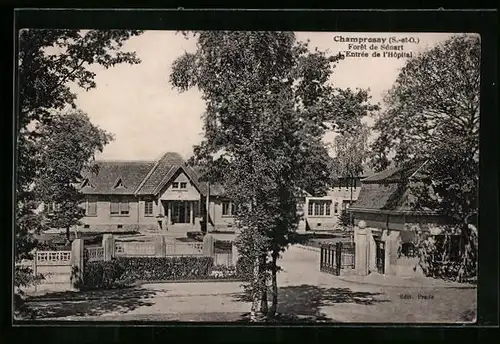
<point>338,258</point>
<point>208,245</point>
<point>108,243</point>
<point>160,246</point>
<point>235,254</point>
<point>77,263</point>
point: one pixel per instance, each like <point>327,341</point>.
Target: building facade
<point>324,213</point>
<point>162,195</point>
<point>388,219</point>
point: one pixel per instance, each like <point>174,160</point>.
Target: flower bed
<point>130,270</point>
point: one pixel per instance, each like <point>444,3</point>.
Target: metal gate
<point>334,258</point>
<point>380,256</point>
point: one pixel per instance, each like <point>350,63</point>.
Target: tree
<point>351,153</point>
<point>68,146</point>
<point>268,105</point>
<point>49,62</point>
<point>433,116</point>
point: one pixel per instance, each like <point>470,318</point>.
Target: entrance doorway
<point>380,256</point>
<point>180,212</point>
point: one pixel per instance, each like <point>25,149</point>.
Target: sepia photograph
<point>246,176</point>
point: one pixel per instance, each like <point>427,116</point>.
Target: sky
<point>148,117</point>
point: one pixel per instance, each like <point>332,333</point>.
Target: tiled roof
<point>165,165</point>
<point>390,189</point>
<point>107,173</point>
<point>397,174</point>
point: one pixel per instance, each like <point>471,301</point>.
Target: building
<point>162,195</point>
<point>323,213</point>
<point>388,217</point>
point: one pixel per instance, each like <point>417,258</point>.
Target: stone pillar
<point>77,263</point>
<point>372,251</point>
<point>392,241</point>
<point>160,249</point>
<point>108,243</point>
<point>235,254</point>
<point>208,245</point>
<point>169,213</point>
<point>361,248</point>
<point>191,212</point>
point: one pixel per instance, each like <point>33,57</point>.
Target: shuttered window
<point>119,207</point>
<point>115,207</point>
<point>124,207</point>
<point>91,207</point>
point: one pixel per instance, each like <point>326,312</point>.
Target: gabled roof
<point>390,190</point>
<point>109,172</point>
<point>169,161</point>
<point>412,170</point>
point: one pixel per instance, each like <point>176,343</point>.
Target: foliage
<point>198,236</point>
<point>50,61</point>
<point>344,219</point>
<point>442,256</point>
<point>128,270</point>
<point>351,151</point>
<point>103,274</point>
<point>439,91</point>
<point>68,146</point>
<point>221,246</point>
<point>268,105</point>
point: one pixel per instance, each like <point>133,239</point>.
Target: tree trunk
<point>67,234</point>
<point>255,291</point>
<point>263,284</point>
<point>274,281</point>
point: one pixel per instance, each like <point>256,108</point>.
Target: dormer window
<point>87,183</point>
<point>119,184</point>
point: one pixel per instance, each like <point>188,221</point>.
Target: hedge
<point>128,270</point>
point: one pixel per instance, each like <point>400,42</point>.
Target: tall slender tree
<point>268,105</point>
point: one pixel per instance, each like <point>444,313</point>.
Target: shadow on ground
<point>303,303</point>
<point>91,303</point>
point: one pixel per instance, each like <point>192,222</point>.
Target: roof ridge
<point>147,176</point>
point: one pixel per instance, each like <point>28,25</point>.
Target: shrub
<point>223,246</point>
<point>195,235</point>
<point>223,271</point>
<point>244,268</point>
<point>103,274</point>
<point>166,268</point>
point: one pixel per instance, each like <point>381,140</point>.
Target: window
<point>91,207</point>
<point>175,185</point>
<point>319,208</point>
<point>148,208</point>
<point>228,209</point>
<point>119,207</point>
<point>183,185</point>
<point>336,207</point>
<point>86,226</point>
<point>328,205</point>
